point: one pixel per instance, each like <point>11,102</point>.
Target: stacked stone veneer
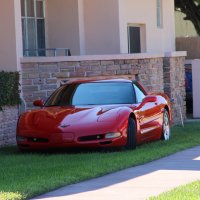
<point>174,85</point>
<point>40,79</point>
<point>8,122</point>
<point>40,76</point>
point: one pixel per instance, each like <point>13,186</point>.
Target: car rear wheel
<point>166,132</point>
<point>131,134</point>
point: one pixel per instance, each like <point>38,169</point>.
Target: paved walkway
<point>136,183</point>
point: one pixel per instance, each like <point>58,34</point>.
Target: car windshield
<point>99,93</point>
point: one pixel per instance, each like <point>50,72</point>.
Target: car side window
<point>139,94</point>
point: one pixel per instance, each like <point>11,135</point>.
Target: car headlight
<point>112,135</point>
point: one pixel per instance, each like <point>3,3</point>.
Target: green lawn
<point>186,192</point>
<point>26,175</point>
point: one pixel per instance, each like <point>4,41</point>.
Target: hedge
<point>9,89</point>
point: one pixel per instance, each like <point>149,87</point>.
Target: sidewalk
<point>136,183</point>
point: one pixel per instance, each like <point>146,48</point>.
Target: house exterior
<point>132,39</point>
<point>86,27</point>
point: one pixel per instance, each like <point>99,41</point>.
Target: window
<point>159,13</point>
<point>139,94</point>
<point>33,27</point>
<point>136,34</point>
<point>134,39</point>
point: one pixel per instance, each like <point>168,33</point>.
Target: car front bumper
<point>68,140</point>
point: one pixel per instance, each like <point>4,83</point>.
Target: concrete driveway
<point>136,183</point>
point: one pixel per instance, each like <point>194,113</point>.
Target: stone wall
<point>174,86</point>
<point>40,79</point>
<point>158,73</point>
<point>8,122</point>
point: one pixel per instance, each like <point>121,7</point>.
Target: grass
<point>26,175</point>
<point>190,191</point>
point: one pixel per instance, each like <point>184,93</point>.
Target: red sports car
<point>98,113</point>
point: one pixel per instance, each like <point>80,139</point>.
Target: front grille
<point>24,145</point>
<point>105,143</point>
<point>91,138</point>
<point>40,140</point>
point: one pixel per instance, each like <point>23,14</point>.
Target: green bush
<point>9,89</point>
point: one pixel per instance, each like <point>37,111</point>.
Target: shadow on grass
<point>14,150</point>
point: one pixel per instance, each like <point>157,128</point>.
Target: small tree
<point>191,8</point>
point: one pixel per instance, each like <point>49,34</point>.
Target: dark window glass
<point>24,33</point>
<point>139,94</point>
<point>92,94</point>
<point>134,40</point>
<point>39,8</point>
<point>159,13</point>
<point>30,8</point>
<point>41,36</point>
<point>31,36</point>
<point>23,8</point>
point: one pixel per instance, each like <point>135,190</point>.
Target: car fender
<point>124,114</point>
<point>168,104</point>
<point>165,100</point>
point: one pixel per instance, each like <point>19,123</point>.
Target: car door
<point>148,113</point>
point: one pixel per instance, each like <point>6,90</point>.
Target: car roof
<point>106,81</point>
<point>99,81</point>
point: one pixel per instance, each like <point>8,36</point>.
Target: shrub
<point>9,89</point>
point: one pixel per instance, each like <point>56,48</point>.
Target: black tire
<point>166,132</point>
<point>131,134</point>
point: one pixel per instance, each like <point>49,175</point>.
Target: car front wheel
<point>131,134</point>
<point>166,132</point>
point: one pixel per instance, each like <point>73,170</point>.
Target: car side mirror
<point>38,103</point>
<point>150,99</point>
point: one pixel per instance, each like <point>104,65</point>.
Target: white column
<point>18,33</point>
<point>196,88</point>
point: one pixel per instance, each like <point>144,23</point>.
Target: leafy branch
<point>191,8</point>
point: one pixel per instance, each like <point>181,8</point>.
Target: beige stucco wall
<point>168,26</point>
<point>100,27</point>
<point>101,21</point>
<point>62,25</point>
<point>143,13</point>
<point>11,35</point>
<point>88,27</point>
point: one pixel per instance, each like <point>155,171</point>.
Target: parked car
<point>98,113</point>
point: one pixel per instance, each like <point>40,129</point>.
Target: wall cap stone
<point>91,57</point>
<point>195,61</point>
<point>102,57</point>
<point>176,54</point>
<point>188,62</point>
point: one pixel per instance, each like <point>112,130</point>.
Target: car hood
<point>57,118</point>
